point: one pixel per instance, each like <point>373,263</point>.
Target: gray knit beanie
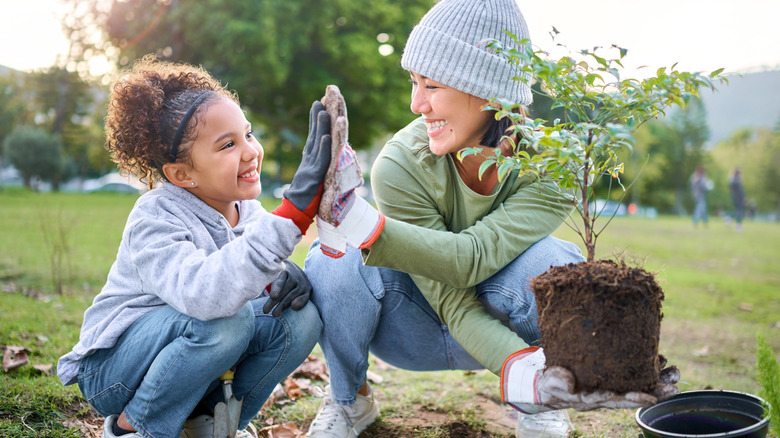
<point>448,47</point>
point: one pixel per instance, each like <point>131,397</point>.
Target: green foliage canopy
<point>600,113</point>
<point>279,55</point>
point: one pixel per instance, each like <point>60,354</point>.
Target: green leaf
<point>485,166</point>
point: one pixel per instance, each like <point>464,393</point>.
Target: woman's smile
<point>435,127</point>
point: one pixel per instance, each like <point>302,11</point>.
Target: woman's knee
<point>334,279</point>
<point>552,251</point>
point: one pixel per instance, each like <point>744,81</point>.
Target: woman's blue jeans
<point>366,308</point>
<point>167,363</point>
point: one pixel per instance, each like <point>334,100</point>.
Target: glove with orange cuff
<point>302,198</point>
<point>358,225</point>
<point>530,388</point>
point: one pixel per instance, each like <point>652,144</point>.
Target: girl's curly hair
<point>145,108</point>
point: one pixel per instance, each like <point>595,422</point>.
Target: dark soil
<point>601,320</point>
<point>456,429</point>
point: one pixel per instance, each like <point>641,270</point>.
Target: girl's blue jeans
<point>366,308</point>
<point>167,363</point>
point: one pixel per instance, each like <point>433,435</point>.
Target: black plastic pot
<point>706,414</point>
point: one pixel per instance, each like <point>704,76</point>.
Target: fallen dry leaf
<point>87,429</point>
<point>286,430</point>
<point>45,368</point>
<point>312,368</point>
<point>292,388</point>
<point>374,377</point>
<point>278,393</point>
<point>747,307</point>
<point>14,357</point>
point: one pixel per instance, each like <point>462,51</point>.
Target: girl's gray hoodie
<point>178,251</point>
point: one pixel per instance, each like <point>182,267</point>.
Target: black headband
<point>180,132</point>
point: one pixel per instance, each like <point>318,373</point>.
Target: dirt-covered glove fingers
<point>290,289</point>
<point>276,291</point>
<point>669,375</point>
<point>667,383</point>
<point>610,400</point>
<point>557,381</point>
<point>300,302</point>
<point>662,392</point>
<point>299,289</point>
<point>556,389</point>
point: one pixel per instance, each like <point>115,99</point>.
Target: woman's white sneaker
<point>337,421</point>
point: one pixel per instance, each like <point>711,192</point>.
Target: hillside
<point>750,100</point>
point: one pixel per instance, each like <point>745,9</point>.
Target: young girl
<point>182,303</point>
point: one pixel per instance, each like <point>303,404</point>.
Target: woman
<point>456,251</point>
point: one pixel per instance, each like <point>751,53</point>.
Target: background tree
<point>277,54</point>
<point>63,104</point>
<point>36,154</point>
<point>11,109</point>
<point>669,150</point>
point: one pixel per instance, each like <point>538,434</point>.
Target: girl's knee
<point>305,323</point>
<point>230,334</point>
<point>306,331</point>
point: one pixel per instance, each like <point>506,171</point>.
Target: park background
<point>59,228</point>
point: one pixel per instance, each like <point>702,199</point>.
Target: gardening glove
<point>348,220</point>
<point>290,289</point>
<point>302,198</point>
<point>357,225</point>
<point>530,388</point>
<point>332,243</point>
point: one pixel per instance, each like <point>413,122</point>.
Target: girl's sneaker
<point>109,433</point>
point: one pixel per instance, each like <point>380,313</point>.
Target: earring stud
<point>192,184</point>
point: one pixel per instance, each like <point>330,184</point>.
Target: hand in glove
<point>358,225</point>
<point>290,289</point>
<point>530,388</point>
<point>349,220</point>
<point>302,198</point>
<point>344,218</point>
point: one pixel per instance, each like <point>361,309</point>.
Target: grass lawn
<point>722,289</point>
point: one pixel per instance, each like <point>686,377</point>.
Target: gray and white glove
<point>349,220</point>
<point>530,388</point>
<point>359,227</point>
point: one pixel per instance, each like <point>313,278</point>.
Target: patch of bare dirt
<point>90,424</point>
<point>499,422</point>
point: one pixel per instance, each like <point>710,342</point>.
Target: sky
<point>699,35</point>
